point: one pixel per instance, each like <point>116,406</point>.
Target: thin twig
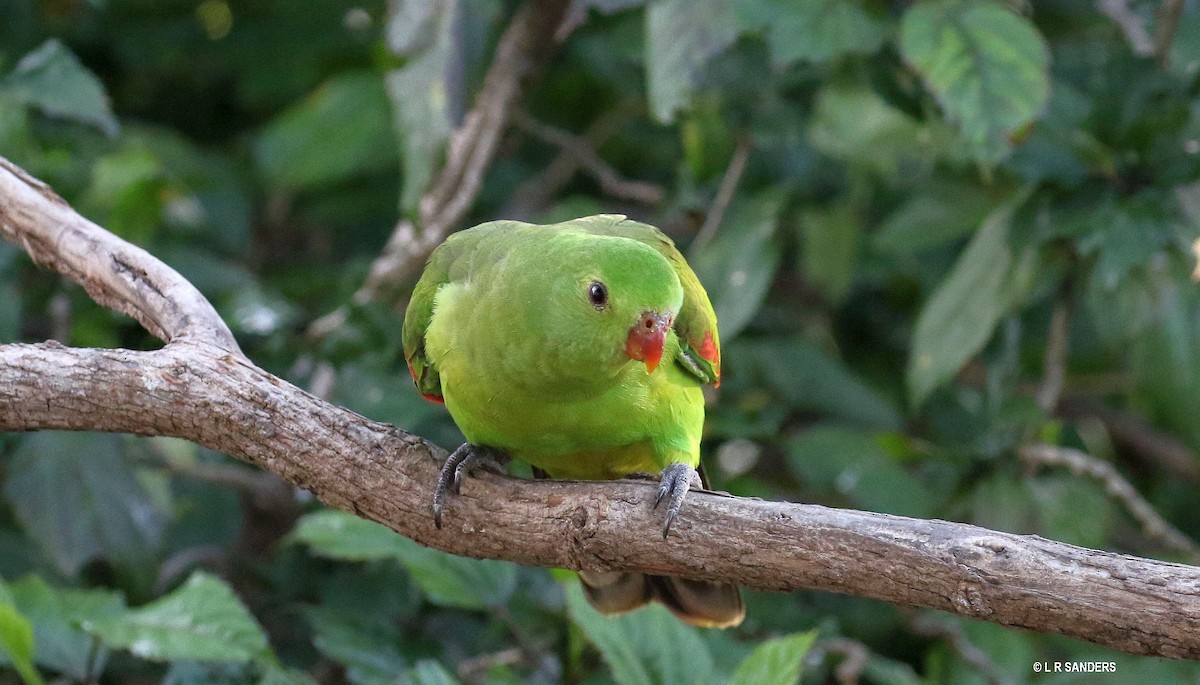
<point>854,657</point>
<point>522,49</point>
<point>324,378</point>
<point>59,309</point>
<point>1055,360</point>
<point>729,184</point>
<point>1136,435</point>
<point>536,192</point>
<point>1154,526</point>
<point>578,147</point>
<point>930,625</point>
<point>525,43</point>
<point>1130,24</point>
<point>1167,22</point>
<point>476,667</point>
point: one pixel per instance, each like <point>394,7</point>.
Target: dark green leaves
<point>812,30</point>
<point>447,580</point>
<point>775,662</point>
<point>646,647</point>
<point>681,36</point>
<point>341,130</point>
<point>61,645</point>
<point>201,621</point>
<point>79,499</point>
<point>737,267</point>
<point>16,639</point>
<point>961,314</point>
<point>51,79</point>
<point>421,91</point>
<point>987,67</point>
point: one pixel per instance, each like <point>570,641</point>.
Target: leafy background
<point>926,188</point>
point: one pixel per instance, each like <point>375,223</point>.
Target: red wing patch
<point>436,399</point>
<point>708,351</point>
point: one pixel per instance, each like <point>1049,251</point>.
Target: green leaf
<point>52,79</point>
<point>830,249</point>
<point>55,614</point>
<point>739,264</point>
<point>428,672</point>
<point>339,535</point>
<point>852,463</point>
<point>961,314</point>
<point>286,676</point>
<point>79,499</point>
<point>945,213</point>
<point>367,644</point>
<point>202,620</point>
<point>853,124</point>
<point>809,379</point>
<point>812,30</point>
<point>1073,511</point>
<point>16,638</point>
<point>645,647</point>
<point>681,36</point>
<point>446,579</point>
<point>987,67</point>
<point>1003,503</point>
<point>422,91</point>
<point>775,662</point>
<point>342,130</point>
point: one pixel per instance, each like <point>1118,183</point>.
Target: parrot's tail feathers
<point>615,592</point>
<point>698,602</point>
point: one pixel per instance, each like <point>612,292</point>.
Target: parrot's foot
<point>460,464</point>
<point>677,479</point>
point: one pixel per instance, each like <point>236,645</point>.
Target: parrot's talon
<point>460,464</point>
<point>677,479</point>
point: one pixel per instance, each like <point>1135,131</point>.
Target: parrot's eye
<point>598,294</point>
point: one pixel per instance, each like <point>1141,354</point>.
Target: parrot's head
<point>615,302</point>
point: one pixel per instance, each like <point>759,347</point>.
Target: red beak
<point>647,337</point>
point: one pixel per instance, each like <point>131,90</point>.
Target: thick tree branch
<point>115,273</point>
<point>197,389</point>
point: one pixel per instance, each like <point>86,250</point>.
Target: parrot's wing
<point>696,322</point>
<point>452,261</point>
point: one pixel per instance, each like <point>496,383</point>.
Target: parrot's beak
<point>647,338</point>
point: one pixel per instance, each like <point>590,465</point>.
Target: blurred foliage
<point>925,184</point>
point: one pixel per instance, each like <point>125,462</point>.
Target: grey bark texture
<point>200,387</point>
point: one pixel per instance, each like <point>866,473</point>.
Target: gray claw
<point>677,479</point>
<point>459,465</point>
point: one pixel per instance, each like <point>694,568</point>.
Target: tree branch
<point>1153,526</point>
<point>1130,24</point>
<point>201,389</point>
<point>577,147</point>
<point>725,191</point>
<point>1167,21</point>
<point>116,274</point>
<point>472,146</point>
<point>525,43</point>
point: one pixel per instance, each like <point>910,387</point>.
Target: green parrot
<point>545,343</point>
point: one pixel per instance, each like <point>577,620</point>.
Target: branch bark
<point>201,388</point>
